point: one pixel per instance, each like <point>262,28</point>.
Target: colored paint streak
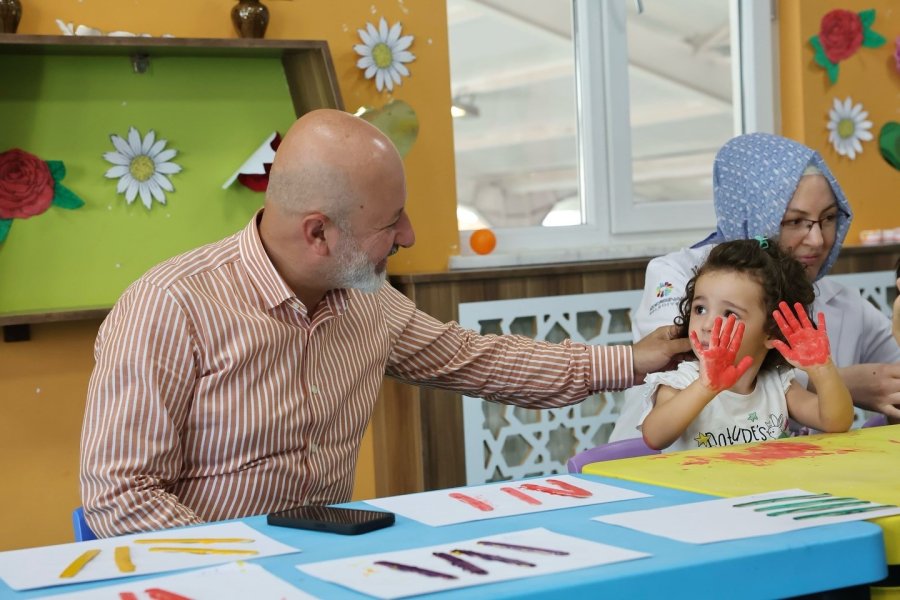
<point>414,569</point>
<point>766,453</point>
<point>462,564</point>
<point>581,492</point>
<point>473,502</point>
<point>520,495</point>
<point>127,596</point>
<point>534,487</point>
<point>494,557</point>
<point>524,548</point>
<point>161,594</point>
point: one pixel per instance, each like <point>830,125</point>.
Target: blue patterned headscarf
<point>754,177</point>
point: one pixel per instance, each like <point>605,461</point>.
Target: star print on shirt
<point>702,439</point>
<point>752,417</point>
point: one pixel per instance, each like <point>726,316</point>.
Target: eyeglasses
<point>827,225</point>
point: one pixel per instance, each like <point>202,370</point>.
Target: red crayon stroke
<point>160,594</point>
<point>582,493</point>
<point>765,454</point>
<point>473,502</point>
<point>520,495</point>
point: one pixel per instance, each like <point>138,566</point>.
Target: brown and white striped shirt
<point>215,396</point>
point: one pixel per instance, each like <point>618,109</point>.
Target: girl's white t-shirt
<point>730,418</point>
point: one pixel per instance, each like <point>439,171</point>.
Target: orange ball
<point>483,241</point>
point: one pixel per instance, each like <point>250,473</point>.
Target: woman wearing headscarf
<point>769,187</point>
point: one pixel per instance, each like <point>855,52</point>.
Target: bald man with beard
<point>238,378</point>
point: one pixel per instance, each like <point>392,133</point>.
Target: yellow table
<point>863,463</point>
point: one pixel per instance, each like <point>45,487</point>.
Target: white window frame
<point>615,226</point>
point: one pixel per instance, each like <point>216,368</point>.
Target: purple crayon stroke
<point>462,564</point>
<point>414,569</point>
<point>495,557</point>
<point>524,548</point>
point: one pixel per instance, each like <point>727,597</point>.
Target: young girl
<point>736,309</point>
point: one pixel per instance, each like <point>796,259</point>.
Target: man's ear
<point>313,229</point>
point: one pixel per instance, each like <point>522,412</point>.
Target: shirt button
<point>313,448</point>
<point>314,389</point>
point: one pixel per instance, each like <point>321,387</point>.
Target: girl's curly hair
<point>779,275</point>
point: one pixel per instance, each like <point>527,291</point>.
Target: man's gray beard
<point>355,270</point>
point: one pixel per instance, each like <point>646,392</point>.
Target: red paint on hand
<point>807,345</point>
<point>717,368</point>
<point>473,502</point>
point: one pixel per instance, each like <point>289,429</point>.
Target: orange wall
<point>40,429</point>
<point>869,77</point>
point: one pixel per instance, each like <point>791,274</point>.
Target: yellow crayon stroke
<point>195,541</point>
<point>78,564</point>
<point>202,550</point>
<point>123,559</point>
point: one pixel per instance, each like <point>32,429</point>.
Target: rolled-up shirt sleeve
<point>509,369</point>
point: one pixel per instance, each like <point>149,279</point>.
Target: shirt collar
<point>272,288</point>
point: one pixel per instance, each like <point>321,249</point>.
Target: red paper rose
<point>841,34</point>
<point>26,185</point>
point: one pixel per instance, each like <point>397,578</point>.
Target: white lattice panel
<point>506,442</point>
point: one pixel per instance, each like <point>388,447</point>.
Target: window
<point>587,128</point>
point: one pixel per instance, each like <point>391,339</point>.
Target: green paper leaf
<point>867,17</point>
<point>57,169</point>
<point>822,59</point>
<point>872,39</point>
<point>5,224</point>
<point>63,197</point>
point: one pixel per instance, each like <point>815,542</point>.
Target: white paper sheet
<point>234,580</point>
<point>719,520</point>
<point>439,507</point>
<point>361,573</point>
<point>40,567</point>
<point>256,164</point>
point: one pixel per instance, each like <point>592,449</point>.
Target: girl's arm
<point>831,407</point>
<point>674,409</point>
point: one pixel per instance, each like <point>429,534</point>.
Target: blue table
<point>788,564</point>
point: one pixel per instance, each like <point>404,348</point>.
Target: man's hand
<point>808,345</point>
<point>718,370</point>
<point>662,350</point>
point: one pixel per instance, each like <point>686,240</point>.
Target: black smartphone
<point>348,521</point>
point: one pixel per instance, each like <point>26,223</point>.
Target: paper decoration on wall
<point>142,166</point>
<point>897,54</point>
<point>398,121</point>
<point>848,126</point>
<point>29,186</point>
<point>889,143</point>
<point>841,34</point>
<point>254,173</point>
<point>82,30</point>
<point>383,53</point>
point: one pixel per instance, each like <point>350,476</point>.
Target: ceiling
<point>512,65</point>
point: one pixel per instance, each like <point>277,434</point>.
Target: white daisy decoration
<point>142,166</point>
<point>383,53</point>
<point>848,126</point>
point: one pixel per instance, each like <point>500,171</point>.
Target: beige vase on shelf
<point>10,15</point>
<point>250,18</point>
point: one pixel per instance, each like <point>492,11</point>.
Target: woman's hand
<point>807,346</point>
<point>717,369</point>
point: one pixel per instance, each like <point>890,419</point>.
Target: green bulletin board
<point>214,110</point>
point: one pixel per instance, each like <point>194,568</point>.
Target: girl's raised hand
<point>717,369</point>
<point>807,346</point>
